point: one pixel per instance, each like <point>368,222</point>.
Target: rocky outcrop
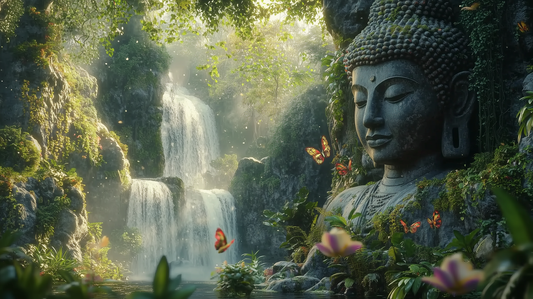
<point>44,208</point>
<point>274,180</point>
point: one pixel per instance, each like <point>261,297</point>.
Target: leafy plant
<point>466,244</point>
<point>126,244</point>
<point>525,116</point>
<point>164,286</point>
<point>51,261</point>
<point>257,265</point>
<point>95,261</point>
<point>296,243</point>
<point>510,273</point>
<point>299,213</point>
<point>408,278</point>
<point>235,279</point>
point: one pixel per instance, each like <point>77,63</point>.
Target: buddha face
<point>397,115</point>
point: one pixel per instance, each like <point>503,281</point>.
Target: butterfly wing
<point>405,227</point>
<point>430,222</point>
<point>225,247</point>
<point>326,149</point>
<point>341,169</point>
<point>471,7</point>
<point>415,226</point>
<point>316,154</point>
<point>437,222</point>
<point>350,165</point>
<point>522,27</point>
<point>221,239</point>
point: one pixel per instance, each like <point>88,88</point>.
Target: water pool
<point>204,290</point>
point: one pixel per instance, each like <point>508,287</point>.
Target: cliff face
<point>50,126</point>
<point>269,183</point>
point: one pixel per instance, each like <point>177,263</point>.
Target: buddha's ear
<point>462,99</point>
<point>455,137</point>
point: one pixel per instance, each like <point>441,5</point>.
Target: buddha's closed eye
<point>397,92</point>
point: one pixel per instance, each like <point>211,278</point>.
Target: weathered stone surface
<point>269,183</point>
<point>28,216</point>
<point>323,285</point>
<point>314,265</point>
<point>71,228</point>
<point>293,285</point>
<point>288,268</point>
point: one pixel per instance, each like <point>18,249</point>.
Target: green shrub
<point>18,152</point>
<point>51,261</point>
<point>236,279</point>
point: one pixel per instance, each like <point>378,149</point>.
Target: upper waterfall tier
<point>189,136</point>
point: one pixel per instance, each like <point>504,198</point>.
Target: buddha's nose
<point>373,117</point>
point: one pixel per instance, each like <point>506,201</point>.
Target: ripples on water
<point>204,290</point>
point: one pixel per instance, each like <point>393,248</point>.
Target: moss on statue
<point>505,168</point>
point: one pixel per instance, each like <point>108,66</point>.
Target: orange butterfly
<point>436,222</point>
<point>343,170</point>
<point>522,27</point>
<point>411,228</point>
<point>471,7</point>
<point>222,243</point>
<point>320,156</point>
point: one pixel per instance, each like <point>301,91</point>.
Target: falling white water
<point>190,143</point>
<point>151,210</point>
<point>205,211</point>
<point>189,136</point>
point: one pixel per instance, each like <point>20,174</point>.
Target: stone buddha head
<point>408,71</point>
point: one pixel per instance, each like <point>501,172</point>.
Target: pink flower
<point>455,276</point>
<point>338,243</point>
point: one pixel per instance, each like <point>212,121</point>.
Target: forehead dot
<point>373,78</point>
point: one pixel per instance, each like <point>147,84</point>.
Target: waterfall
<point>190,143</point>
<point>205,211</point>
<point>151,210</point>
<point>189,136</point>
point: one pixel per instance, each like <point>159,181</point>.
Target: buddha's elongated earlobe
<point>455,136</point>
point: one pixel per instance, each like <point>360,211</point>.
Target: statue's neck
<point>400,175</point>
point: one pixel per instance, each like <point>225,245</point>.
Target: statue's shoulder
<point>346,197</point>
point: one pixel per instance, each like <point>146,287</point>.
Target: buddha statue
<point>408,72</point>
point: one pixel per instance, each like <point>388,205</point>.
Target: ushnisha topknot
<point>417,30</point>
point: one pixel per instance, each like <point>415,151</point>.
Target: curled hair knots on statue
<point>420,31</point>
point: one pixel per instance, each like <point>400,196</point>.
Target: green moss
<point>504,168</point>
<point>18,152</point>
<point>47,217</point>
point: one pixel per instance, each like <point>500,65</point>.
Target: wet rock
<point>293,285</point>
<point>289,268</point>
<point>323,285</point>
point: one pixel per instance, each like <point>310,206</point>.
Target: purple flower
<point>455,276</point>
<point>338,243</point>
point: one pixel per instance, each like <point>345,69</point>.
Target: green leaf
<point>409,284</point>
<point>397,238</point>
<point>416,285</point>
<point>174,283</point>
<point>336,220</point>
<point>348,282</point>
<point>517,217</point>
<point>161,280</point>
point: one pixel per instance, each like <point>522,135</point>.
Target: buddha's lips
<point>377,140</point>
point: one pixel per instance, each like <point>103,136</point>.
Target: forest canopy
<point>86,24</point>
